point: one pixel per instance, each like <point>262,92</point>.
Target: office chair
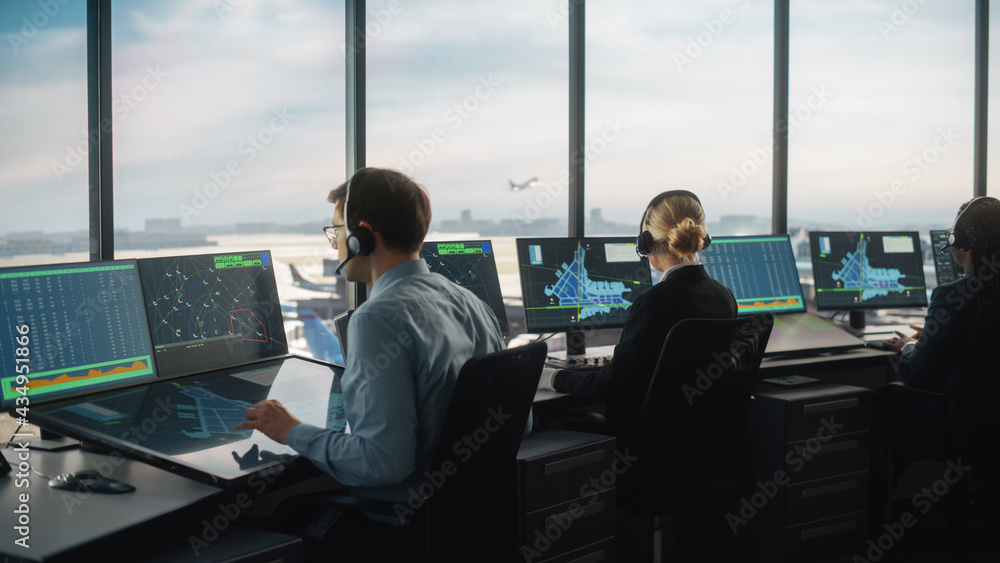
<point>472,513</point>
<point>959,423</point>
<point>693,443</point>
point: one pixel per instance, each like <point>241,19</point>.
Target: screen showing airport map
<point>586,282</point>
<point>867,270</point>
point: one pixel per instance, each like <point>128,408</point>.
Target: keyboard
<point>587,362</point>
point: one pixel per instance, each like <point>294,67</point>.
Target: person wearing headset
<point>407,344</point>
<point>672,232</point>
<point>933,359</point>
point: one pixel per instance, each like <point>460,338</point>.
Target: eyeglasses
<point>332,232</point>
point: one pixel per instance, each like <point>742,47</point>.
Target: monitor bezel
<point>154,376</point>
<point>530,327</point>
<point>813,245</point>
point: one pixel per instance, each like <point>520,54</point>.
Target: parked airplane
<point>323,344</point>
<point>533,182</point>
<point>298,280</point>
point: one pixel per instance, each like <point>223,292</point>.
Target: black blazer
<point>621,384</point>
<point>934,362</point>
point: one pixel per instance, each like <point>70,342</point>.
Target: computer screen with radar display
<point>471,264</point>
<point>71,329</point>
<point>569,283</point>
<point>867,270</point>
<point>212,310</point>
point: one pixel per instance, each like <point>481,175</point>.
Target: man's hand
<point>271,418</point>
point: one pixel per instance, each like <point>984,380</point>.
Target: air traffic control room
<point>536,281</point>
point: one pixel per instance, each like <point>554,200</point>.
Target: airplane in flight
<point>298,280</point>
<point>533,182</point>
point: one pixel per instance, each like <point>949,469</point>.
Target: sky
<point>230,112</point>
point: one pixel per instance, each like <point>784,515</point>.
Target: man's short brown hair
<point>395,206</point>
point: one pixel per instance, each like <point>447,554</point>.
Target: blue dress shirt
<point>407,344</point>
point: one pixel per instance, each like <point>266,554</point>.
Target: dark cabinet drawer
<point>814,415</point>
<point>815,500</point>
<point>557,466</point>
<point>564,527</point>
<point>813,459</point>
<point>600,552</point>
<point>818,540</point>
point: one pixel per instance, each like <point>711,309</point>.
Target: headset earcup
<point>706,241</point>
<point>361,241</point>
<point>644,243</point>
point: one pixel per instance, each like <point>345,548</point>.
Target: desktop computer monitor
<point>854,271</point>
<point>944,265</point>
<point>759,270</point>
<point>212,311</point>
<point>472,265</point>
<point>71,329</point>
<point>570,284</point>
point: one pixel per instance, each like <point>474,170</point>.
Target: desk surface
<point>61,520</point>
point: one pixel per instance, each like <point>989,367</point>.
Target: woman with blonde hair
<point>671,234</point>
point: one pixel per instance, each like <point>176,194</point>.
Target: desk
<point>76,526</point>
<point>865,367</point>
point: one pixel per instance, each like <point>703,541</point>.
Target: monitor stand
<point>576,344</point>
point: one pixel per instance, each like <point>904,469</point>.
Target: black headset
<point>644,242</point>
<point>960,239</point>
<point>360,239</point>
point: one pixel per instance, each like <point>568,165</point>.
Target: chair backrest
<point>975,427</point>
<point>694,436</point>
<point>472,511</point>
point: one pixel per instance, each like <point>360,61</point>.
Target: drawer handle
<point>830,406</point>
<point>828,530</point>
<point>589,510</point>
<point>838,447</point>
<point>573,462</point>
<point>590,558</point>
<point>829,489</point>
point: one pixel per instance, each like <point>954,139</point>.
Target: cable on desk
<point>16,432</point>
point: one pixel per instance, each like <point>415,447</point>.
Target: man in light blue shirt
<point>407,344</point>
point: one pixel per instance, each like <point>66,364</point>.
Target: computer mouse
<point>89,480</point>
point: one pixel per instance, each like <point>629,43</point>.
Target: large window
<point>679,97</point>
<point>881,132</point>
<point>885,136</point>
<point>45,143</point>
<point>229,134</point>
<point>470,99</point>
